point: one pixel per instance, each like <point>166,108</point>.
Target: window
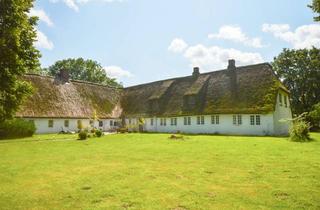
<point>50,123</point>
<point>285,101</point>
<point>234,119</point>
<point>173,121</point>
<point>237,119</point>
<point>215,119</point>
<point>91,122</point>
<point>280,99</point>
<point>100,123</point>
<point>163,121</point>
<point>251,119</point>
<point>79,124</point>
<point>187,120</point>
<point>258,120</point>
<point>200,120</point>
<point>111,123</point>
<point>151,121</point>
<point>129,121</point>
<point>66,123</point>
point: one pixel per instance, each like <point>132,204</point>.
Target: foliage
<point>83,134</point>
<point>80,124</point>
<point>16,128</point>
<point>299,130</point>
<point>98,133</point>
<point>122,130</point>
<point>315,6</point>
<point>300,71</point>
<point>81,69</point>
<point>315,115</point>
<point>17,54</point>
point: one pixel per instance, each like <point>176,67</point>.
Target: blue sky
<point>140,41</point>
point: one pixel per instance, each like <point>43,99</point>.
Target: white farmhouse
<point>247,100</point>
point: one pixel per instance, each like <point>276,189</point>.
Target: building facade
<point>247,100</point>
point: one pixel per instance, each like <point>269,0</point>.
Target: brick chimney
<point>232,72</point>
<point>62,77</point>
<point>196,71</point>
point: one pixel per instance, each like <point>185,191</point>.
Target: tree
<point>315,6</point>
<point>315,115</point>
<point>300,72</point>
<point>17,54</point>
<point>80,69</point>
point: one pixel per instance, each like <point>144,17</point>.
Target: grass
<point>150,171</point>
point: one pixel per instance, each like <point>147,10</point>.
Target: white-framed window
<point>100,123</point>
<point>66,123</point>
<point>173,121</point>
<point>280,99</point>
<point>255,120</point>
<point>187,120</point>
<point>258,120</point>
<point>151,121</point>
<point>237,119</point>
<point>215,119</point>
<point>163,121</point>
<point>111,122</point>
<point>252,120</point>
<point>285,101</point>
<point>50,123</point>
<point>200,120</point>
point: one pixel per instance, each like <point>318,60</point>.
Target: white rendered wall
<point>225,125</point>
<point>281,125</point>
<point>58,124</point>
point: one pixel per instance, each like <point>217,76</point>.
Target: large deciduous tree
<point>17,54</point>
<point>315,6</point>
<point>80,69</point>
<point>300,71</point>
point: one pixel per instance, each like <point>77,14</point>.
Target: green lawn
<point>149,171</point>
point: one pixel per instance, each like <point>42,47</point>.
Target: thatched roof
<point>254,91</point>
<point>74,99</point>
<point>247,89</point>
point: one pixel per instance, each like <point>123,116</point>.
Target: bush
<point>83,135</point>
<point>300,130</point>
<point>98,133</point>
<point>16,128</point>
<point>122,130</point>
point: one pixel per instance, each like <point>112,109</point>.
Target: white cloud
<point>235,34</point>
<point>304,36</point>
<point>117,72</point>
<point>212,57</point>
<point>41,14</point>
<point>177,45</point>
<point>74,4</point>
<point>43,41</point>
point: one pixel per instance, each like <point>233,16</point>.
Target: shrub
<point>299,130</point>
<point>16,128</point>
<point>122,130</point>
<point>98,133</point>
<point>83,135</point>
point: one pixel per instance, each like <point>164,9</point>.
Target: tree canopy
<point>300,71</point>
<point>81,69</point>
<point>315,6</point>
<point>17,54</point>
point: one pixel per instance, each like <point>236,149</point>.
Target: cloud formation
<point>117,72</point>
<point>74,4</point>
<point>304,36</point>
<point>43,41</point>
<point>209,58</point>
<point>235,34</point>
<point>177,45</point>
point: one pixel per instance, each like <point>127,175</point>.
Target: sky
<point>140,41</point>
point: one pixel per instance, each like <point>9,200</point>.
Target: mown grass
<point>150,171</point>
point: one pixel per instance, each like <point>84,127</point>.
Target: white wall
<point>58,124</point>
<point>281,113</point>
<point>225,125</point>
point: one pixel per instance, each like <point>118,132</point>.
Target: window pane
<point>217,119</point>
<point>258,120</point>
<point>66,123</point>
<point>251,119</point>
<point>189,120</point>
<point>239,119</point>
<point>234,119</point>
<point>202,120</point>
<point>50,123</point>
<point>198,120</point>
<point>212,119</point>
<point>164,121</point>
